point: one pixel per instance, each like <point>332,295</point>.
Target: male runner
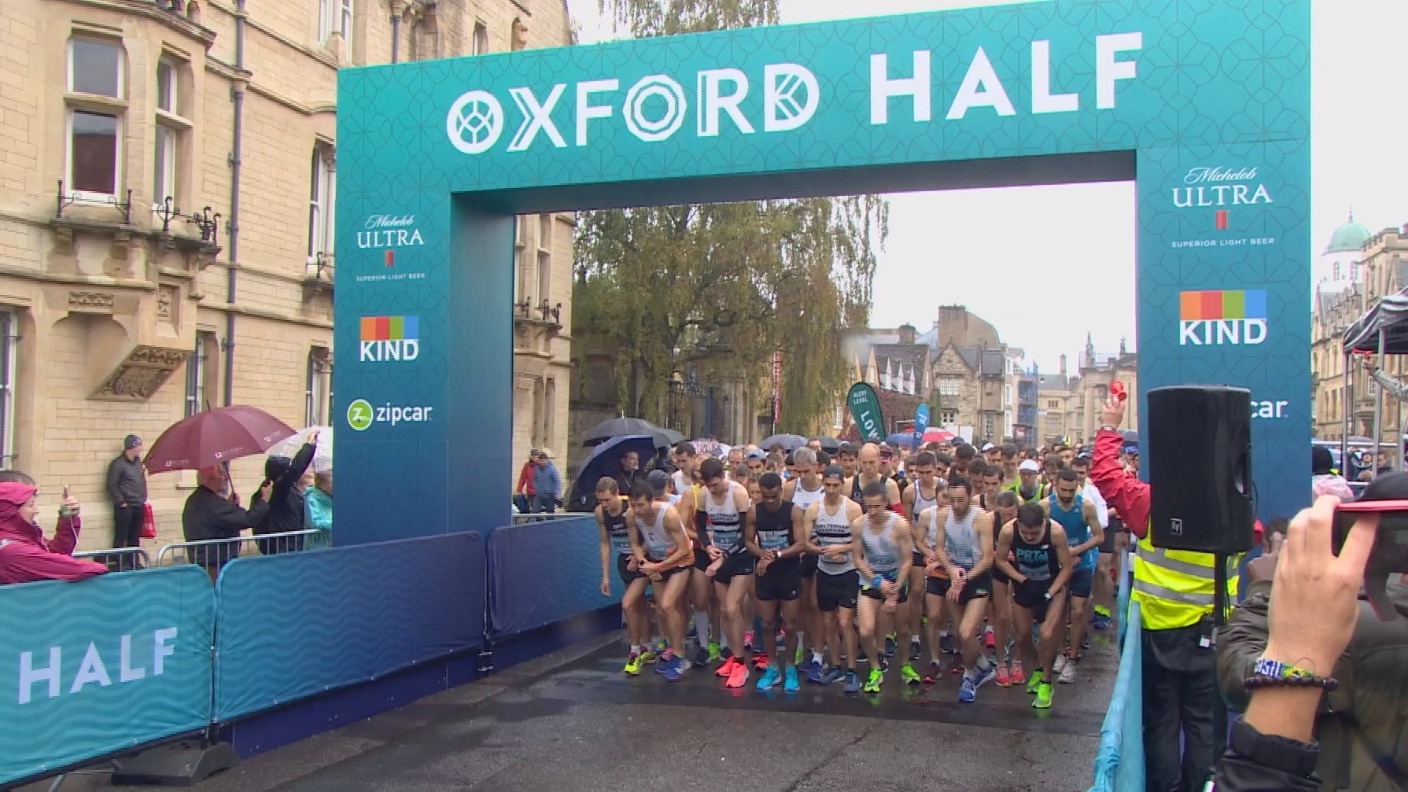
<point>1039,574</point>
<point>962,456</point>
<point>724,503</point>
<point>1004,511</point>
<point>921,496</point>
<point>1103,591</point>
<point>1077,517</point>
<point>884,544</point>
<point>662,555</point>
<point>700,600</point>
<point>992,454</point>
<point>977,469</point>
<point>992,485</point>
<point>870,473</point>
<point>686,462</point>
<point>827,526</point>
<point>1028,487</point>
<point>614,520</point>
<point>846,458</point>
<point>773,534</point>
<point>963,552</point>
<point>1009,465</point>
<point>803,491</point>
<point>1051,466</point>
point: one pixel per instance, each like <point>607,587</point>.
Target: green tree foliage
<point>721,287</point>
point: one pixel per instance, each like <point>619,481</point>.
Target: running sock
<point>816,657</point>
<point>983,662</point>
<point>635,648</point>
<point>701,626</point>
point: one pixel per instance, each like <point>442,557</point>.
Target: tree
<point>721,287</point>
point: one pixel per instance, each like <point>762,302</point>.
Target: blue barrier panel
<point>295,625</point>
<point>100,666</point>
<point>522,597</point>
<point>1119,761</point>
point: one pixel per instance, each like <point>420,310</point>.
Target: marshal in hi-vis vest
<point>1174,588</point>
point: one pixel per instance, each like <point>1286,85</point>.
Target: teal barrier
<point>102,666</point>
<point>1119,761</point>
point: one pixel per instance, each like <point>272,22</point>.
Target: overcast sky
<point>1359,161</point>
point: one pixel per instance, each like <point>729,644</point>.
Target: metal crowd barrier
<point>522,519</point>
<point>118,559</point>
<point>215,553</point>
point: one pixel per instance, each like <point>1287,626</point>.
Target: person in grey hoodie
<point>547,483</point>
<point>127,487</point>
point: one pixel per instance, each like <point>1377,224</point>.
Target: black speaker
<point>1199,461</point>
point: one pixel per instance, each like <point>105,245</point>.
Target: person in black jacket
<point>285,500</point>
<point>213,512</point>
<point>1311,617</point>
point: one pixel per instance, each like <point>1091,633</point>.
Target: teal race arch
<point>1204,104</point>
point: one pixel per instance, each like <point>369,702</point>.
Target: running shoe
<point>790,683</point>
<point>825,676</point>
<point>1101,622</point>
<point>810,667</point>
<point>891,645</point>
<point>760,661</point>
<point>800,651</point>
<point>1018,676</point>
<point>632,664</point>
<point>739,677</point>
<point>701,656</point>
<point>661,645</point>
<point>1035,681</point>
<point>676,668</point>
<point>968,691</point>
<point>915,650</point>
<point>1085,642</point>
<point>860,656</point>
<point>946,644</point>
<point>872,683</point>
<point>748,640</point>
<point>936,672</point>
<point>909,676</point>
<point>648,657</point>
<point>982,676</point>
<point>1043,696</point>
<point>666,660</point>
<point>725,668</point>
<point>989,639</point>
<point>957,666</point>
<point>770,678</point>
<point>1059,666</point>
<point>1068,674</point>
<point>1004,679</point>
<point>852,683</point>
<point>713,649</point>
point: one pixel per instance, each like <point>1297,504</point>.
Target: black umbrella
<point>829,444</point>
<point>630,427</point>
<point>605,461</point>
<point>789,442</point>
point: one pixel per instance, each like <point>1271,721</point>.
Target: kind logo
<point>1222,318</point>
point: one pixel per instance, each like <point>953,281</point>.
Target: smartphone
<point>65,492</point>
<point>1389,554</point>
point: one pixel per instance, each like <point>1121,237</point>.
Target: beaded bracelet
<point>1328,683</point>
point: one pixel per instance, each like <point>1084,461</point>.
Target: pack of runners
<point>780,570</point>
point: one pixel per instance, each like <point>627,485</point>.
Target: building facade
<point>1097,371</point>
<point>1380,268</point>
<point>167,196</point>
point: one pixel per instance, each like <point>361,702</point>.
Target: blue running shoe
<point>967,692</point>
<point>852,683</point>
<point>890,645</point>
<point>810,667</point>
<point>983,676</point>
<point>676,669</point>
<point>770,678</point>
<point>946,644</point>
<point>790,683</point>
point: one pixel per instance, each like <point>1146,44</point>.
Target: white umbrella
<point>289,447</point>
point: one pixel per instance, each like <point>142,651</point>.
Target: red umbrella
<point>215,436</point>
<point>937,436</point>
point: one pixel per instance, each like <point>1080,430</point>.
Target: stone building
<point>897,365</point>
<point>167,193</point>
<point>1061,407</point>
<point>1097,371</point>
<point>1378,267</point>
<point>970,366</point>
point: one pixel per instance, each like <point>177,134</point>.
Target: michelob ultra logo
<point>1222,318</point>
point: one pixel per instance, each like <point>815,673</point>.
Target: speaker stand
<point>1219,619</point>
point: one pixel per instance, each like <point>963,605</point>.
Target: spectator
<point>1323,478</point>
<point>285,512</point>
<point>630,472</point>
<point>127,487</point>
<point>317,504</point>
<point>213,512</point>
<point>547,484</point>
<point>25,555</point>
<point>523,493</point>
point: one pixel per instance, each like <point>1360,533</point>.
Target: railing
<point>215,553</point>
<point>118,559</point>
<point>523,519</point>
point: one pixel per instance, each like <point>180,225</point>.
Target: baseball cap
<point>1131,449</point>
<point>1029,464</point>
<point>658,479</point>
<point>757,453</point>
<point>988,447</point>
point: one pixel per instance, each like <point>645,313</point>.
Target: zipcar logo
<point>389,339</point>
<point>361,414</point>
<point>1222,318</point>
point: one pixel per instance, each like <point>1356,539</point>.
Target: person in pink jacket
<point>25,555</point>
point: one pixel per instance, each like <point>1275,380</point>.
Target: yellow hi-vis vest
<point>1174,588</point>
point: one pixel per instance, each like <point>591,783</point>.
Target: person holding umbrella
<point>285,497</point>
<point>213,512</point>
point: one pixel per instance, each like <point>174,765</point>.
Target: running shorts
<point>735,564</point>
<point>1108,545</point>
<point>1082,580</point>
<point>976,588</point>
<point>1031,596</point>
<point>808,565</point>
<point>627,575</point>
<point>874,593</point>
<point>837,591</point>
<point>782,581</point>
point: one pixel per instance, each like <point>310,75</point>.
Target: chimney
<point>1063,365</point>
<point>906,333</point>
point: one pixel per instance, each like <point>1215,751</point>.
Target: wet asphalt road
<point>572,721</point>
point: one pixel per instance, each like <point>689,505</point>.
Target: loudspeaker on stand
<point>1199,462</point>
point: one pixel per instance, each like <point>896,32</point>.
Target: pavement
<point>573,721</point>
